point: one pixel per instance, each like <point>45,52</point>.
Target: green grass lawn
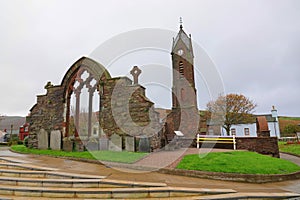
<point>111,156</point>
<point>242,162</point>
<point>289,148</point>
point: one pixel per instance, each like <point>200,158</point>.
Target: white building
<point>249,130</point>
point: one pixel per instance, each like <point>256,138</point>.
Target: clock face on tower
<point>180,52</point>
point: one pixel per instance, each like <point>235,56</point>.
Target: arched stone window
<point>84,104</point>
<point>182,94</point>
<point>83,91</point>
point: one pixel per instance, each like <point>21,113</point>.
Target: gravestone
<point>103,144</point>
<point>43,139</point>
<point>129,143</point>
<point>55,140</point>
<point>78,145</point>
<point>93,144</point>
<point>115,143</point>
<point>144,144</point>
<point>67,145</point>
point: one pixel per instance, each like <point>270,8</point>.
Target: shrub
<point>291,128</point>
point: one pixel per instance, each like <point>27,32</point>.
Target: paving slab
<point>292,158</point>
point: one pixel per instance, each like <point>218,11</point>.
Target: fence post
<point>234,142</point>
<point>198,138</point>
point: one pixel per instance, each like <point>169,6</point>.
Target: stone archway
<point>83,90</point>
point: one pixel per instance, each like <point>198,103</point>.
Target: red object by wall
<point>24,131</point>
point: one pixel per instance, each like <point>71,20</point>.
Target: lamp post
<point>298,134</point>
<point>275,116</point>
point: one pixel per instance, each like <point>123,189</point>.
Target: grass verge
<point>289,148</point>
<point>241,162</point>
<point>111,156</point>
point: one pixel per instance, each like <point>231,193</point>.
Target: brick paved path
<point>170,159</point>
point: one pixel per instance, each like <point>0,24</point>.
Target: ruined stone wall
<point>263,145</point>
<point>46,114</point>
<point>127,111</point>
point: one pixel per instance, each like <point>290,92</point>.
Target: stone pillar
<point>91,94</point>
<point>77,112</point>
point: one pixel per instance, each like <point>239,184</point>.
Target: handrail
<point>216,139</point>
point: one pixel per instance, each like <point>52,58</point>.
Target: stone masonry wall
<point>46,114</point>
<point>263,145</point>
<point>127,111</point>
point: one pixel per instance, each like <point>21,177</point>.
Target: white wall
<point>240,132</point>
<point>274,129</point>
<point>240,129</point>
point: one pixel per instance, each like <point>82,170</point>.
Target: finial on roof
<point>180,22</point>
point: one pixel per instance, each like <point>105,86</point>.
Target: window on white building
<point>246,131</point>
<point>233,131</point>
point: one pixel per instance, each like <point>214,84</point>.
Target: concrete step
<point>250,195</point>
<point>9,165</point>
<point>12,160</point>
<point>56,198</point>
<point>44,174</point>
<point>13,163</point>
<point>75,183</point>
<point>231,196</point>
<point>107,193</point>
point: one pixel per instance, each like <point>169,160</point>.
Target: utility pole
<point>1,118</point>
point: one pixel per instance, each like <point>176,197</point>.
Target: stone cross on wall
<point>135,72</point>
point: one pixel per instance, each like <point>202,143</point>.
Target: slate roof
<point>268,117</point>
<point>262,124</point>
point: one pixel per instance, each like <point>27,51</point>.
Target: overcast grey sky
<point>254,44</point>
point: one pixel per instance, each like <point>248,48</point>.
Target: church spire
<point>180,22</point>
<point>182,44</point>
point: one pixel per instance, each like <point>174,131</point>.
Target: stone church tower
<point>184,116</point>
<point>183,90</point>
